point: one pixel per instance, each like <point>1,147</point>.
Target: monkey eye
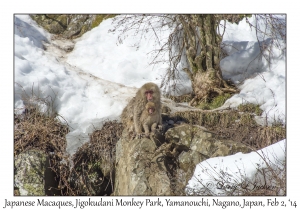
<point>149,92</point>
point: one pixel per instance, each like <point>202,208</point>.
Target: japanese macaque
<point>150,118</point>
<point>132,112</point>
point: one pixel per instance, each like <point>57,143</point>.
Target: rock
<point>180,135</point>
<point>69,26</point>
<point>140,170</point>
<point>171,122</point>
<point>199,145</point>
<point>33,175</point>
<point>165,109</point>
<point>144,167</point>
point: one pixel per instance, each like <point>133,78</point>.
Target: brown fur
<point>150,118</point>
<point>132,112</point>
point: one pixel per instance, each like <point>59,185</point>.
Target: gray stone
<point>144,167</point>
<point>139,169</point>
<point>30,168</point>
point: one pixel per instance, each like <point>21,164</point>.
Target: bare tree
<point>194,41</point>
<point>270,32</point>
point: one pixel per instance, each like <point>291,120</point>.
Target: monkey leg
<point>153,127</point>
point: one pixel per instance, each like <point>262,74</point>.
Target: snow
<point>259,82</point>
<point>103,57</point>
<point>223,174</point>
<point>95,81</point>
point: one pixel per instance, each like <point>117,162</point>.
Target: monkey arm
<point>137,126</point>
<point>146,129</point>
<point>136,120</point>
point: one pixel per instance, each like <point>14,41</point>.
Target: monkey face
<point>151,110</point>
<point>150,92</point>
<point>149,95</point>
<point>150,107</point>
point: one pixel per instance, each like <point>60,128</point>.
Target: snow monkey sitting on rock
<point>150,118</point>
<point>132,112</point>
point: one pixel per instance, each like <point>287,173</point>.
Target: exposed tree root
<point>209,84</point>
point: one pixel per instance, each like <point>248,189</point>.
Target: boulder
<point>69,26</point>
<point>140,169</point>
<point>144,167</point>
<point>33,175</point>
<point>197,144</point>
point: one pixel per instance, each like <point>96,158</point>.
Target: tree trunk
<point>202,44</point>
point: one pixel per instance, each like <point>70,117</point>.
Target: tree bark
<point>200,31</point>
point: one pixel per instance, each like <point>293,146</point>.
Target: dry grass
<point>234,125</point>
<point>81,176</point>
<point>251,108</point>
<point>43,131</point>
<point>34,129</point>
<point>91,170</point>
<point>97,158</point>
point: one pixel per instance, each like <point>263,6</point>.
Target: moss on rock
<point>69,26</point>
<point>99,18</point>
<point>251,108</point>
<point>214,103</point>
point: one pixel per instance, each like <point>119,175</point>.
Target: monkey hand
<point>160,127</point>
<point>140,135</point>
